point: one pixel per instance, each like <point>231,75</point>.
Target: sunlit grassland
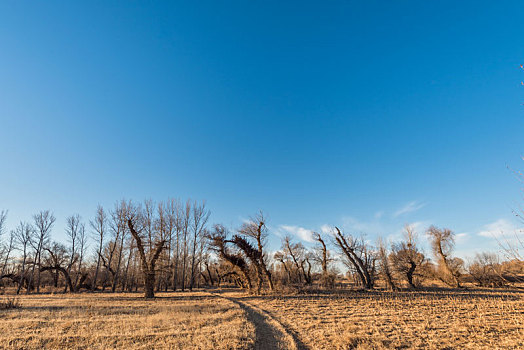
<point>433,319</point>
<point>125,320</point>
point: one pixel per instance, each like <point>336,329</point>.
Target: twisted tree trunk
<point>148,263</point>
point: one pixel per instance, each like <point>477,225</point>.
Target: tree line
<point>159,246</point>
<point>170,245</point>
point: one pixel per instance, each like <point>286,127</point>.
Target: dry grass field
<point>105,321</point>
<point>383,320</point>
<point>228,319</point>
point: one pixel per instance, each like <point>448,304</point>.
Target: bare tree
<point>119,219</point>
<point>385,269</point>
<point>217,242</point>
<point>3,219</point>
<point>148,251</point>
<point>487,271</point>
<point>58,260</point>
<point>299,258</point>
<point>512,245</point>
<point>359,257</point>
<point>22,235</point>
<point>282,257</point>
<point>7,248</point>
<point>43,223</point>
<point>99,225</point>
<point>256,229</point>
<point>175,226</point>
<point>198,224</point>
<point>322,256</point>
<point>73,233</point>
<point>82,247</point>
<point>448,268</point>
<point>406,258</point>
<point>185,222</point>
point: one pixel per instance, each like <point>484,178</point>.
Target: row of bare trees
<point>160,245</point>
<point>168,246</point>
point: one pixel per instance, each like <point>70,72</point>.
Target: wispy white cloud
<point>409,208</point>
<point>419,227</point>
<point>461,237</point>
<point>300,232</point>
<point>379,214</point>
<point>355,225</point>
<point>499,228</point>
<point>326,229</point>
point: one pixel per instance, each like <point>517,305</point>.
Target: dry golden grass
<point>102,321</point>
<point>421,320</point>
<point>233,320</point>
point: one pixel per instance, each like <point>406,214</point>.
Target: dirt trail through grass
<point>269,333</point>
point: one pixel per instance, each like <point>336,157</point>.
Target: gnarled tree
<point>148,246</point>
<point>321,255</point>
<point>359,257</point>
<point>256,229</point>
<point>448,267</point>
<point>406,258</point>
<point>218,242</point>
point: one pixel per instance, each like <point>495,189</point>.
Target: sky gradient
<point>362,114</point>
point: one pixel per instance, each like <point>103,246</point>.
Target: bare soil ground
<point>229,319</point>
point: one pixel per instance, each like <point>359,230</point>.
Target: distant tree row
<point>243,257</point>
<point>159,246</point>
<point>169,246</point>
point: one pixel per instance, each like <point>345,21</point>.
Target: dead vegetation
<point>231,319</point>
<point>125,320</point>
<point>402,320</point>
<point>10,303</point>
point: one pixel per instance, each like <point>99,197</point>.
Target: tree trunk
<point>149,285</point>
<point>409,275</point>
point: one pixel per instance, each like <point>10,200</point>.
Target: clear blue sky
<point>362,114</point>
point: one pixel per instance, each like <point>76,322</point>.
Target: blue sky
<point>363,114</point>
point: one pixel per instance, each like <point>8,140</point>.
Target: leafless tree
<point>43,223</point>
<point>58,260</point>
<point>149,251</point>
<point>175,226</point>
<point>119,216</point>
<point>359,257</point>
<point>185,222</point>
<point>282,257</point>
<point>487,271</point>
<point>23,234</point>
<point>199,221</point>
<point>256,229</point>
<point>385,269</point>
<point>162,227</point>
<point>218,242</point>
<point>406,258</point>
<point>73,236</point>
<point>512,244</point>
<point>3,250</point>
<point>322,256</point>
<point>7,248</point>
<point>3,219</point>
<point>99,225</point>
<point>448,268</point>
<point>82,247</point>
<point>299,259</point>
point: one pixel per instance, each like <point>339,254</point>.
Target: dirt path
<point>269,333</point>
